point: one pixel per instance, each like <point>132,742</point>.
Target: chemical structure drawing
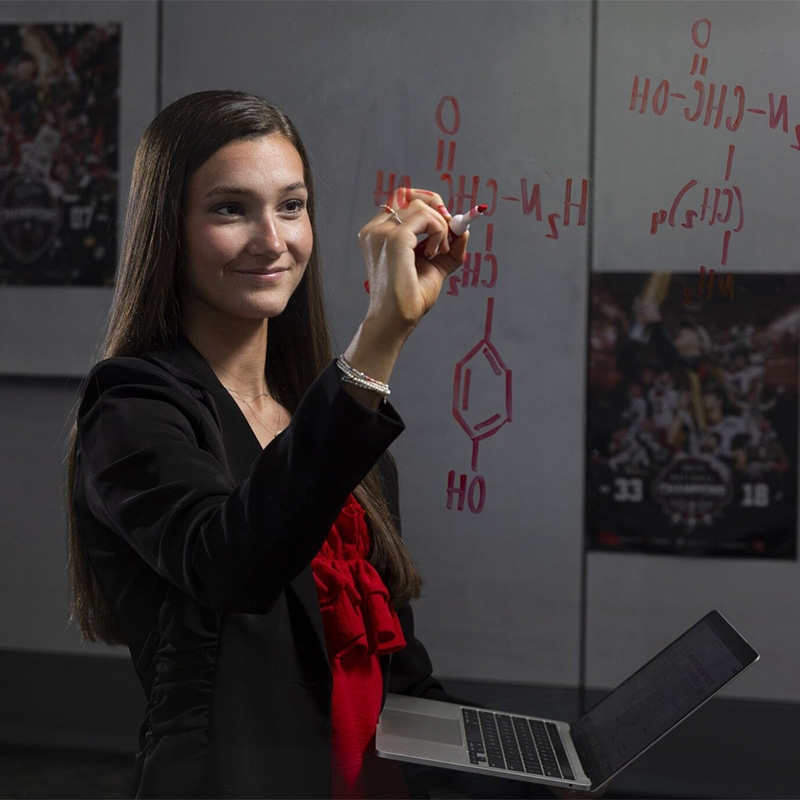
<point>484,416</point>
<point>461,192</point>
<point>692,204</point>
<point>711,97</point>
<point>482,383</point>
<point>717,206</point>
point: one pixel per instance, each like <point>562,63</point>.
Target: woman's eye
<point>295,206</point>
<point>228,209</point>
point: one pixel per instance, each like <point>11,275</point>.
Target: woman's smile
<point>264,275</point>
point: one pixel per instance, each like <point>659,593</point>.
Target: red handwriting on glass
<point>481,406</point>
<point>481,382</point>
<point>461,192</point>
<point>710,100</point>
<point>482,368</point>
<point>693,204</point>
<point>705,289</point>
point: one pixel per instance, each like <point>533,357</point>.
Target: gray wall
<point>505,587</point>
<point>48,338</point>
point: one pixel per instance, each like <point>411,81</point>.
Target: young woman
<point>233,510</point>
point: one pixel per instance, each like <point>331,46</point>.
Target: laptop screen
<point>657,697</point>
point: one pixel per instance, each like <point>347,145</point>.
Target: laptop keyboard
<point>515,743</point>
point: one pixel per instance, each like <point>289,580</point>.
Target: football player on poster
<point>692,416</point>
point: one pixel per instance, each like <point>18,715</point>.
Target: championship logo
<point>692,490</point>
<point>29,219</point>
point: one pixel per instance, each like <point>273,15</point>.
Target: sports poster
<point>693,414</point>
<point>59,112</point>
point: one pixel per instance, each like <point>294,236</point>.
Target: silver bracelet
<point>352,376</point>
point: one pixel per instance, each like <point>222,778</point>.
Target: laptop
<point>588,753</point>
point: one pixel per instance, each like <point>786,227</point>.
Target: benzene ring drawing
<point>482,413</point>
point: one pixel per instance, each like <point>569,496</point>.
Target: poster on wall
<point>693,414</point>
<point>59,131</point>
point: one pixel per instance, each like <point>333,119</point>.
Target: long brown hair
<point>145,314</point>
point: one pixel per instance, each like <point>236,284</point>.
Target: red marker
<point>458,225</point>
<point>460,222</point>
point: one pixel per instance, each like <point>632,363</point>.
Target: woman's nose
<point>267,239</point>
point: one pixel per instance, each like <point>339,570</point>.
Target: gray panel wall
<point>33,587</point>
<point>643,159</point>
<point>53,332</point>
<point>365,94</point>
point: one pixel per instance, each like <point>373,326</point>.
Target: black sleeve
<point>149,475</point>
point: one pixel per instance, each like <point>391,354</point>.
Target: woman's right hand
<point>404,285</point>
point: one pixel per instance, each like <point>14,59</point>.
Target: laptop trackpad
<point>420,726</point>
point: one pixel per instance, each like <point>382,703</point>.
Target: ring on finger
<point>390,210</point>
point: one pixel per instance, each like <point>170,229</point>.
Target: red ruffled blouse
<point>360,626</point>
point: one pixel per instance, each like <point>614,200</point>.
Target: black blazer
<point>202,543</point>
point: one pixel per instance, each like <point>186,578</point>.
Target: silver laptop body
<point>588,753</point>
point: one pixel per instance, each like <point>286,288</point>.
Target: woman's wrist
<point>356,378</point>
<point>375,349</point>
<point>372,352</point>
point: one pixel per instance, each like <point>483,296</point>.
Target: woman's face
<point>247,235</point>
